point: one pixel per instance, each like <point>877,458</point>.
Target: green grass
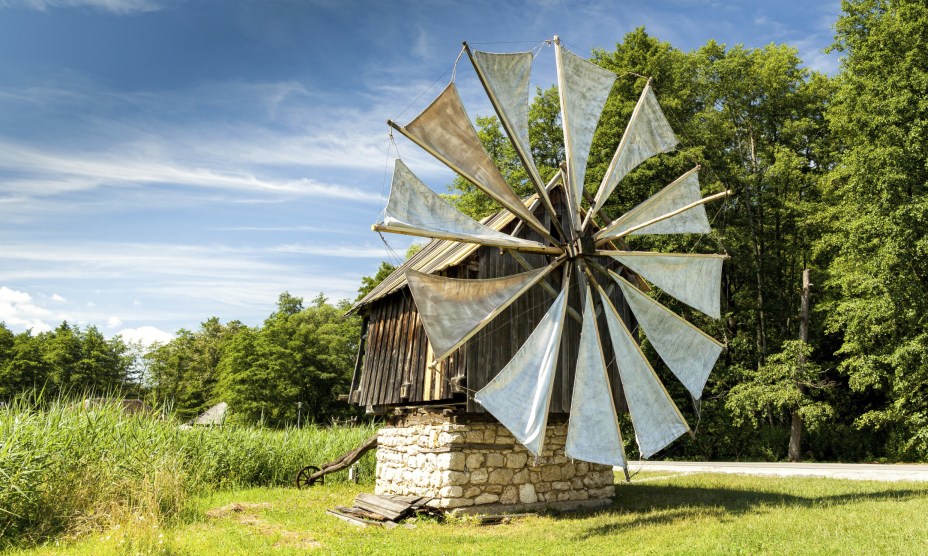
<point>683,514</point>
<point>67,471</point>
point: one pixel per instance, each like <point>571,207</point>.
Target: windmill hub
<point>583,246</point>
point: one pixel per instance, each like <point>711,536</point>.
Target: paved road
<point>854,471</point>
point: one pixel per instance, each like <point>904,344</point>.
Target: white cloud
<point>58,298</point>
<point>121,7</point>
<point>55,173</point>
<point>17,310</point>
<point>341,251</point>
<point>113,322</point>
<point>146,335</point>
<point>11,297</point>
<point>184,284</point>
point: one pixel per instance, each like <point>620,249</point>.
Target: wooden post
<point>795,433</point>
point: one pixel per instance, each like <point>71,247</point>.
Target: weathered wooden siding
<point>394,368</point>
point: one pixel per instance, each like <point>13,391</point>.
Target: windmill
<point>576,252</point>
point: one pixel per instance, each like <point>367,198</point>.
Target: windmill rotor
<point>454,310</point>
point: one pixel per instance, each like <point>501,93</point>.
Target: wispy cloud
<point>284,140</point>
<point>57,173</point>
<point>283,229</point>
<point>198,280</point>
<point>178,258</point>
<point>115,6</point>
<point>344,251</point>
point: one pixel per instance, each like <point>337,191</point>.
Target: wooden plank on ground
<point>349,518</point>
<point>359,513</point>
<point>390,509</point>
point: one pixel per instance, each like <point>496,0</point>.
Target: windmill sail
<point>693,279</point>
<point>593,430</point>
<point>507,78</point>
<point>415,209</point>
<point>656,419</point>
<point>584,88</point>
<point>682,192</point>
<point>688,352</point>
<point>453,310</point>
<point>647,134</point>
<point>444,130</point>
<point>520,395</point>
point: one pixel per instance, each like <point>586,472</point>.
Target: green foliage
<point>368,283</point>
<point>876,244</point>
<point>787,382</point>
<point>71,469</point>
<point>294,366</point>
<point>67,359</point>
<point>413,249</point>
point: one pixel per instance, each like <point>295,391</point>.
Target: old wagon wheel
<point>454,310</point>
<point>305,477</point>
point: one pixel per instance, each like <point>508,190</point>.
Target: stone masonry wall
<point>475,463</point>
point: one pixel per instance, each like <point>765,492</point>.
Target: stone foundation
<point>467,464</point>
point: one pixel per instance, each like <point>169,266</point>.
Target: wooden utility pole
<point>795,433</point>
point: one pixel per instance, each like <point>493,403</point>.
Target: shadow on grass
<point>643,505</point>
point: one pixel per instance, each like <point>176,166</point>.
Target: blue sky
<point>164,161</point>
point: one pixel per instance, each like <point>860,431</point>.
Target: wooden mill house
<point>439,442</point>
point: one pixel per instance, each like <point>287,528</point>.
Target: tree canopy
<point>296,363</point>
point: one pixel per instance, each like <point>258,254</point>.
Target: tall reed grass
<point>66,469</point>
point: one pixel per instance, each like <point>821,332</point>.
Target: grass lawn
<point>677,514</point>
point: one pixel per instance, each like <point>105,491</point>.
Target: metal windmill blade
<point>454,310</point>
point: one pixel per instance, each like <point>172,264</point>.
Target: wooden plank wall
<point>397,353</point>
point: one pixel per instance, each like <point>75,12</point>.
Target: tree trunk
<point>795,433</point>
<point>795,438</point>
